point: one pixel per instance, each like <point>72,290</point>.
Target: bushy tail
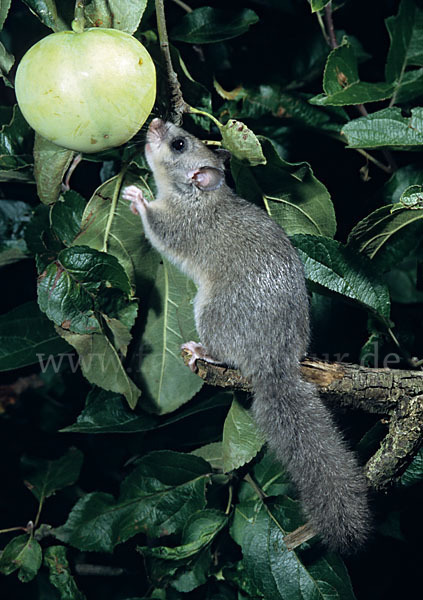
<point>301,432</point>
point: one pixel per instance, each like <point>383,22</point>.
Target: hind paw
<point>197,351</point>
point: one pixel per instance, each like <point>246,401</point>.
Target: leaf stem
<point>184,6</point>
<point>228,506</point>
<point>413,362</point>
<point>197,111</point>
<point>256,488</point>
<point>78,23</point>
<point>375,161</point>
<point>322,27</point>
<point>40,508</point>
<point>9,529</point>
<point>113,205</point>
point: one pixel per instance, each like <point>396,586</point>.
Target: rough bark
<point>395,394</point>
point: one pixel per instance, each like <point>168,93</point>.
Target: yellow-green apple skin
<point>86,91</point>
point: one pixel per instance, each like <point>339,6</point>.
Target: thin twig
<point>177,101</point>
<point>330,34</point>
<point>374,160</point>
<point>260,493</point>
<point>330,27</point>
<point>300,535</point>
<point>184,6</point>
<point>362,110</point>
<point>230,497</point>
<point>322,27</point>
<point>10,529</point>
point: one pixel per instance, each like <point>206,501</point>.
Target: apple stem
<point>78,23</point>
<point>178,104</point>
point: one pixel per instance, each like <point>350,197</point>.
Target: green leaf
<point>411,87</point>
<point>332,267</point>
<point>41,239</point>
<point>212,453</point>
<point>399,181</point>
<point>341,69</point>
<point>415,52</point>
<point>170,323</point>
<point>93,268</point>
<point>108,224</point>
<point>403,280</point>
<point>104,412</point>
<point>60,575</point>
<point>400,29</point>
<point>414,473</point>
<point>156,499</point>
<point>120,332</point>
<point>389,233</point>
<point>241,438</point>
<point>12,253</point>
<point>195,574</point>
<point>199,531</point>
<point>277,572</point>
<point>387,128</point>
<point>101,365</point>
<point>270,476</point>
<point>237,575</point>
<point>45,477</point>
<point>15,146</point>
<point>65,301</point>
<point>46,11</point>
<point>272,99</point>
<point>341,82</point>
<point>358,92</point>
<point>50,165</point>
<point>207,25</point>
<point>13,218</point>
<point>165,562</point>
<point>66,216</point>
<point>67,287</point>
<point>292,195</point>
<point>24,553</point>
<point>124,15</point>
<point>26,337</point>
<point>4,9</point>
<point>370,349</point>
<point>6,60</point>
<point>242,142</point>
<point>317,5</point>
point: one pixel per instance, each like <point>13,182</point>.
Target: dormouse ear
<point>207,178</point>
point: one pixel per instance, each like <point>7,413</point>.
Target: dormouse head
<point>178,159</point>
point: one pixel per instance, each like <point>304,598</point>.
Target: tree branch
<point>178,106</point>
<point>397,394</point>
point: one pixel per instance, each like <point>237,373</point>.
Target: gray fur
<point>251,312</point>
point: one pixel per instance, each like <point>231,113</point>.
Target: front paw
<point>135,196</point>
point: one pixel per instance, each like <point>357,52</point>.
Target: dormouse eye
<point>178,144</point>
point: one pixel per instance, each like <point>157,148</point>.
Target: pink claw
<point>135,196</point>
<point>197,351</point>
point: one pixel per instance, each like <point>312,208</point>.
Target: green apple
<point>86,91</point>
